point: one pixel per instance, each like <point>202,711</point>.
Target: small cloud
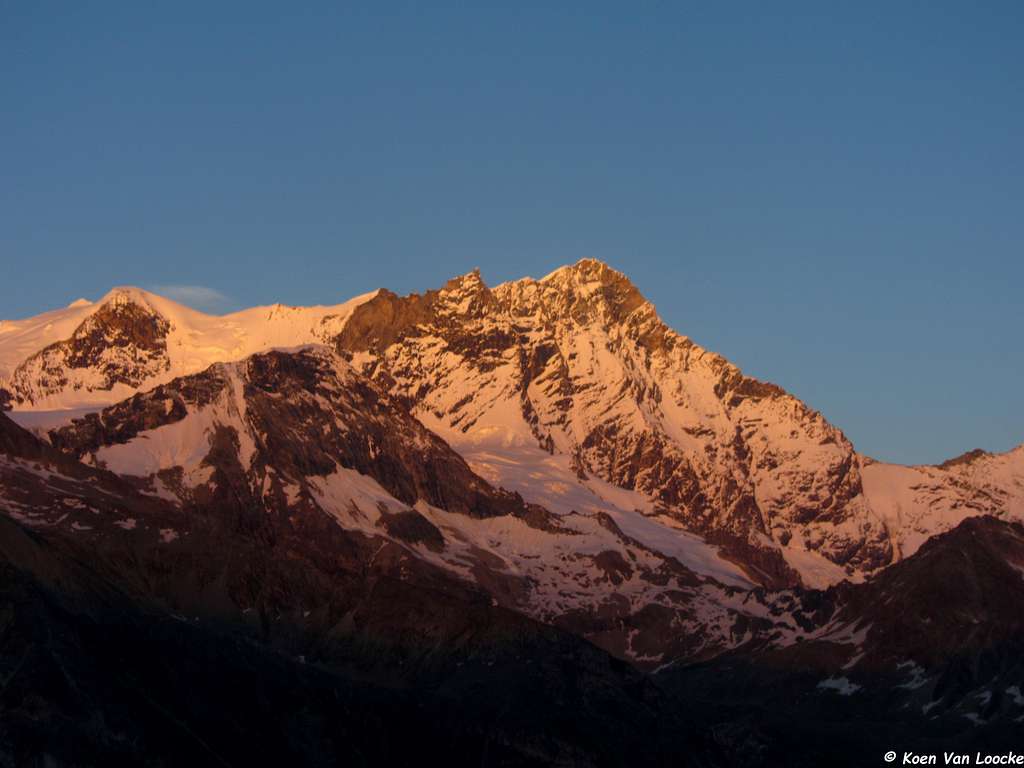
<point>195,296</point>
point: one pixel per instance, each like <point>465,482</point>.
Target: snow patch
<point>840,685</point>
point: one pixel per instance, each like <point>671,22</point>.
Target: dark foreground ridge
<point>119,650</point>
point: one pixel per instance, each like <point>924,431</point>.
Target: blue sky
<point>828,194</point>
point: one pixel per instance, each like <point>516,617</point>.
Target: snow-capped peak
<point>586,269</point>
<point>97,353</point>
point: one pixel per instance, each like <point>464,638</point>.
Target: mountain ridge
<point>574,379</point>
<point>471,501</point>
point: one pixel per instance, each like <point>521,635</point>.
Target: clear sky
<point>829,194</point>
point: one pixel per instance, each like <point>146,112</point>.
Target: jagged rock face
<point>301,436</point>
<point>121,343</point>
<point>297,416</point>
<point>583,363</point>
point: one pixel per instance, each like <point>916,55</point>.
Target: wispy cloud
<point>195,296</point>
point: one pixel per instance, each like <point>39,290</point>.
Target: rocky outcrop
<point>582,362</point>
<point>122,343</point>
<point>302,414</point>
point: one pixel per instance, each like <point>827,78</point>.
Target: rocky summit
<point>527,524</point>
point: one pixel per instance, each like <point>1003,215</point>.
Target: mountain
<point>94,354</point>
<point>577,370</point>
<point>404,505</point>
<point>574,380</point>
<point>134,630</point>
<point>925,657</point>
<point>301,433</point>
<point>569,390</point>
